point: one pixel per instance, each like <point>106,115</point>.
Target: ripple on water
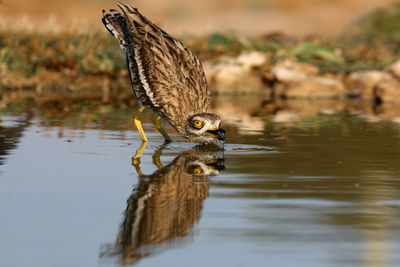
<point>243,149</point>
<point>10,121</point>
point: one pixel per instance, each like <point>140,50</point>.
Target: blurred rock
<point>362,83</point>
<point>13,81</point>
<point>290,70</point>
<point>389,111</point>
<point>291,111</point>
<point>316,87</point>
<point>237,75</point>
<point>285,116</point>
<point>394,69</point>
<point>388,91</point>
<point>250,60</point>
<point>106,90</point>
<point>239,111</point>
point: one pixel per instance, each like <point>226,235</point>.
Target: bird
<point>165,76</point>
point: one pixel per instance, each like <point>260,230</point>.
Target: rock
<point>387,91</point>
<point>316,87</point>
<point>394,69</point>
<point>285,116</point>
<point>209,71</point>
<point>289,70</point>
<point>362,83</point>
<point>250,60</point>
<point>227,75</point>
<point>13,80</point>
<point>238,111</point>
<point>236,75</point>
<point>291,111</point>
<point>389,111</point>
<point>268,77</point>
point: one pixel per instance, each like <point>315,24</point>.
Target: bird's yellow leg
<point>157,154</point>
<point>157,124</point>
<point>138,124</point>
<point>139,151</point>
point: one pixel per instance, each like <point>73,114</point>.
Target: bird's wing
<point>169,74</point>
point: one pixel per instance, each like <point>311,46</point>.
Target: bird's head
<point>204,128</point>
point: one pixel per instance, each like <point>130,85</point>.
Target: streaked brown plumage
<point>165,75</point>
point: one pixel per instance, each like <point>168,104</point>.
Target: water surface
<point>323,190</point>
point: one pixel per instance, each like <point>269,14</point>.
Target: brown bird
<point>166,76</point>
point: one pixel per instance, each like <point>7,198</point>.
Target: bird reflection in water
<point>165,205</point>
<point>10,135</point>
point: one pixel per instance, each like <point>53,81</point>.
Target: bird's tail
<point>115,24</point>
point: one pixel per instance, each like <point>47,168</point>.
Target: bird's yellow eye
<point>196,171</point>
<point>198,124</point>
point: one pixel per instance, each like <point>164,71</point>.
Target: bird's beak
<point>216,165</point>
<point>219,133</point>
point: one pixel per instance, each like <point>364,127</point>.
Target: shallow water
<point>324,191</point>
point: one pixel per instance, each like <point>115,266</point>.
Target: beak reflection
<point>216,165</point>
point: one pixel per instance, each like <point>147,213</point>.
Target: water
<point>320,191</point>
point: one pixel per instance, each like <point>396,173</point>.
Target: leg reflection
<point>157,154</point>
<point>136,158</point>
<point>156,157</point>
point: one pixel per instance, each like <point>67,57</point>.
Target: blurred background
<point>252,17</point>
<point>58,53</point>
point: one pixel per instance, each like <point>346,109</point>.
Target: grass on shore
<point>28,53</point>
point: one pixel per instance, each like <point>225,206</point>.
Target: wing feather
<point>165,73</point>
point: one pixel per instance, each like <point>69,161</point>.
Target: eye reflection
<point>195,170</point>
<point>165,206</point>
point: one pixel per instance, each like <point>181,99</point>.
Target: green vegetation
<point>382,23</point>
<point>28,53</point>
